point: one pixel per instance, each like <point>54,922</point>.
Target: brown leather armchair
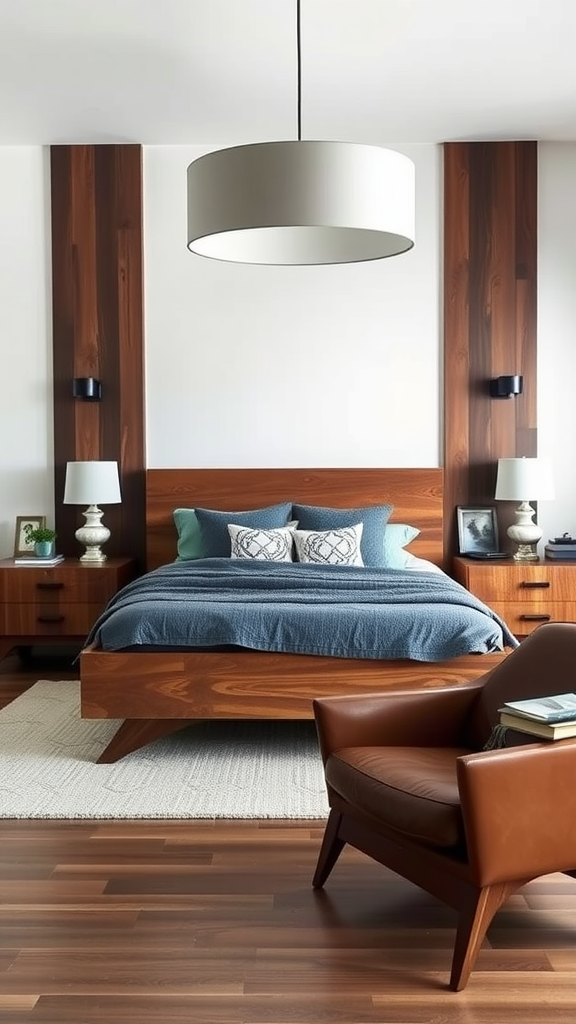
<point>410,785</point>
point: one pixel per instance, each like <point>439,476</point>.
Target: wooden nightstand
<point>55,604</point>
<point>524,594</point>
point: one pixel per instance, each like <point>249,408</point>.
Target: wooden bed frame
<point>158,693</point>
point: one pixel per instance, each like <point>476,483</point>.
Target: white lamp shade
<point>92,483</point>
<point>301,203</point>
<point>524,480</point>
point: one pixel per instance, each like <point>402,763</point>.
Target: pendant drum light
<point>301,202</point>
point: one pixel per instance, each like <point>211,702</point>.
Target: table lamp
<point>92,483</point>
<point>524,480</point>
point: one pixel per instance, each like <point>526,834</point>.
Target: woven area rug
<point>214,769</point>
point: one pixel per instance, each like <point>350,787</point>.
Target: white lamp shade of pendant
<point>92,483</point>
<point>301,203</point>
<point>524,480</point>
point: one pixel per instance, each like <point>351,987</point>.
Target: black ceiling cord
<point>299,54</point>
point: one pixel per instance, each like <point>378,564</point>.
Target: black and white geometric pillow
<point>271,545</point>
<point>333,547</point>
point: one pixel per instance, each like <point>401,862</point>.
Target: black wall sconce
<point>87,388</point>
<point>506,387</point>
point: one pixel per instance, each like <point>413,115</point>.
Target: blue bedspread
<point>343,612</point>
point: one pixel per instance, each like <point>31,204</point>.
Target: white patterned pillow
<point>336,547</point>
<point>272,545</point>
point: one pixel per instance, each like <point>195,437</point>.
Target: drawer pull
<point>50,618</point>
<point>50,585</point>
<point>535,618</point>
<point>535,584</point>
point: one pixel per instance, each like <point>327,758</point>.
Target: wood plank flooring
<point>216,922</point>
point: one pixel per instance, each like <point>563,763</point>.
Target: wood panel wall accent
<point>416,495</point>
<point>490,250</point>
<point>97,288</point>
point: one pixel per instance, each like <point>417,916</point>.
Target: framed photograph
<point>477,530</point>
<point>23,546</point>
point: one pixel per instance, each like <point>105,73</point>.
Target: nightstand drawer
<point>524,595</point>
<point>48,619</point>
<point>522,618</point>
<point>512,582</point>
<point>82,584</point>
<point>56,604</point>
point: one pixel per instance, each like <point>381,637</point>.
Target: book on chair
<point>543,730</point>
<point>552,717</point>
<point>560,707</point>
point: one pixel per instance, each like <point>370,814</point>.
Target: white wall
<point>289,366</point>
<point>557,331</point>
<point>26,445</point>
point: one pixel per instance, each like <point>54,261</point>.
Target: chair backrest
<point>545,663</point>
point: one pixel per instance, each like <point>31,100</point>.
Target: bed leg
<point>136,732</point>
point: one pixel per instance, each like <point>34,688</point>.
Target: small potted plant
<point>42,537</point>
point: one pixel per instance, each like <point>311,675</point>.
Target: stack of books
<point>36,560</point>
<point>552,718</point>
<point>561,549</point>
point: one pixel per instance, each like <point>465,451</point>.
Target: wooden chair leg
<point>473,924</point>
<point>332,846</point>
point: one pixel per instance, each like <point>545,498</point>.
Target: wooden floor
<point>216,922</point>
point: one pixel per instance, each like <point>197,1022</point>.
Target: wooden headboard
<point>416,495</point>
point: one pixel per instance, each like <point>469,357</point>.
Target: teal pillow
<point>203,532</point>
<point>189,537</point>
<point>396,537</point>
<point>372,517</point>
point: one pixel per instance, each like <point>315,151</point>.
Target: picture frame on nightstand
<point>477,530</point>
<point>22,546</point>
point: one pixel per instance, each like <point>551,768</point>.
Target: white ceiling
<point>223,72</point>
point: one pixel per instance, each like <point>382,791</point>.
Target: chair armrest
<point>518,806</point>
<point>420,718</point>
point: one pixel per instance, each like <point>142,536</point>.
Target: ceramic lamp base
<point>525,533</point>
<point>526,553</point>
<point>92,535</point>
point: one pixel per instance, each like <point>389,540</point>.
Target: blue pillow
<point>396,537</point>
<point>373,518</point>
<point>215,539</point>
